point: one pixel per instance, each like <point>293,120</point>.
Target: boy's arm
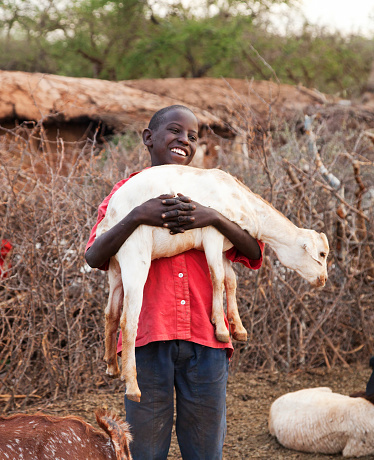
<point>152,212</point>
<point>241,239</point>
<point>202,216</point>
<point>107,245</point>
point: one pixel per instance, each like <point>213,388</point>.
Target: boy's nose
<point>184,138</point>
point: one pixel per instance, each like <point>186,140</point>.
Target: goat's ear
<point>324,238</point>
<point>312,253</point>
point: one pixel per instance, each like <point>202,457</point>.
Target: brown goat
<point>47,437</point>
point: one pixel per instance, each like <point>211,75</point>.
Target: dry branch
<point>51,305</point>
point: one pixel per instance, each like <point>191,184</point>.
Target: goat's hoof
<point>224,337</point>
<point>133,396</point>
<point>132,389</point>
<point>113,374</point>
<point>240,336</point>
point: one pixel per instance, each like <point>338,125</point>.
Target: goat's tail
<point>118,430</point>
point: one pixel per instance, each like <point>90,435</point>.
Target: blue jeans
<point>199,375</point>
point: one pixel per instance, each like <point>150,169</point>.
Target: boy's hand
<point>166,211</point>
<point>185,214</point>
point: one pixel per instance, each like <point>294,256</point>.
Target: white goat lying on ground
<point>304,251</point>
<point>47,437</point>
<point>318,420</point>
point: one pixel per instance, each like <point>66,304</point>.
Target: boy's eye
<point>174,130</point>
<point>193,138</point>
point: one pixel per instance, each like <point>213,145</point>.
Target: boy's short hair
<point>159,116</point>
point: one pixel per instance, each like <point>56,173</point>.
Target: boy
<point>176,346</point>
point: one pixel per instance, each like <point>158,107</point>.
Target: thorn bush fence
<point>52,305</point>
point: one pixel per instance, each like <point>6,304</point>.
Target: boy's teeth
<point>179,151</point>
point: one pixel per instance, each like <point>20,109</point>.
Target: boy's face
<point>175,140</point>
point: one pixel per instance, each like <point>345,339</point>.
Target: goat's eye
<point>322,254</point>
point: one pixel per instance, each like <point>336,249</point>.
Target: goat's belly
<point>166,245</point>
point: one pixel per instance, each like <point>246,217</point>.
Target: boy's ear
<point>147,137</point>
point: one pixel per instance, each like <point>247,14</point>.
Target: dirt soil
<point>249,397</point>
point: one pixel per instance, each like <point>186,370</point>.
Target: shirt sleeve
<point>100,216</point>
<point>236,256</point>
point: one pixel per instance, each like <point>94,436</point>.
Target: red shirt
<point>177,299</point>
<point>5,264</point>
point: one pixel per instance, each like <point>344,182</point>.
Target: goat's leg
<point>112,316</point>
<point>236,326</point>
<point>213,245</point>
<point>134,275</point>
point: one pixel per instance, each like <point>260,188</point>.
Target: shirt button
<point>180,275</point>
<point>183,302</point>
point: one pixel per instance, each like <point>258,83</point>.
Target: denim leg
<point>200,381</point>
<point>151,420</point>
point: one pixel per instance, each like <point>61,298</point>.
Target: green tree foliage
<point>185,48</point>
<point>26,27</point>
<point>330,62</point>
<point>132,39</point>
<point>101,33</point>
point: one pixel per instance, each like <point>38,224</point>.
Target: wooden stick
<point>314,321</point>
<point>329,189</point>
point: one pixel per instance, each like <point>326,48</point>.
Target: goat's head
<point>313,259</point>
<point>307,255</point>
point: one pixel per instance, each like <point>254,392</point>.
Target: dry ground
<point>248,400</point>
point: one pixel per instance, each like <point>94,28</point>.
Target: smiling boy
<point>176,345</point>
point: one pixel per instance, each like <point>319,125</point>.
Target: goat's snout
<point>320,281</point>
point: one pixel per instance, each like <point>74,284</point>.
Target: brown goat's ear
<point>358,394</point>
<point>310,252</point>
<point>118,430</point>
<point>364,395</point>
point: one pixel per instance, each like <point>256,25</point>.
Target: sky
<point>347,16</point>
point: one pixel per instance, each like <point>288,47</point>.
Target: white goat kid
<point>318,420</point>
<point>304,251</point>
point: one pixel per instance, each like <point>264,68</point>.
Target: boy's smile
<point>179,151</point>
<point>174,141</point>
